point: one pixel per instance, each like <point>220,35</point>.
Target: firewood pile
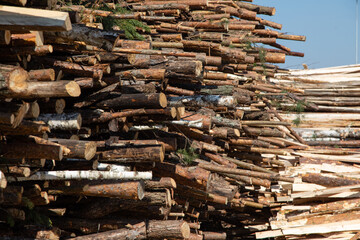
<point>179,135</point>
<point>322,203</point>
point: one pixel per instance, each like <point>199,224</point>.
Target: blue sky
<point>329,26</point>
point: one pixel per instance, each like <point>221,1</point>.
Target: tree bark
<point>140,153</point>
<point>86,175</point>
<point>65,121</point>
<point>155,100</point>
<point>78,149</point>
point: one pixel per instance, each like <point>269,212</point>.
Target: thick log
<point>225,122</point>
<point>25,128</point>
<point>48,89</point>
<point>164,182</point>
<point>78,149</point>
<point>184,69</point>
<point>139,88</point>
<point>124,190</point>
<point>65,121</point>
<point>91,36</point>
<point>155,100</point>
<point>191,176</point>
<point>42,74</point>
<point>140,153</point>
<point>173,229</point>
<point>18,150</point>
<point>328,181</point>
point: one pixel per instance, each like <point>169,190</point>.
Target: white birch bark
<point>80,175</point>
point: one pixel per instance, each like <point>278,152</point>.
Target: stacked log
<point>168,137</point>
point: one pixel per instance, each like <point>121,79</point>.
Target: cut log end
<point>185,230</point>
<point>236,132</point>
<point>3,182</point>
<point>60,105</point>
<point>198,69</point>
<point>162,100</point>
<point>90,150</point>
<point>141,190</point>
<point>17,80</point>
<point>73,89</point>
<point>5,37</point>
<point>173,112</point>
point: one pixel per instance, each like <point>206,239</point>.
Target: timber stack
<point>322,106</point>
<point>170,136</point>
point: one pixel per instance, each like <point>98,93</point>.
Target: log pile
<point>168,137</point>
<point>322,201</point>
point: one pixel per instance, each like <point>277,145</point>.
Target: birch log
<point>84,175</point>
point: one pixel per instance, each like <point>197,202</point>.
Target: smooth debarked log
<point>36,19</point>
<point>154,100</point>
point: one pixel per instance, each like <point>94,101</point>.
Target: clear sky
<point>329,26</point>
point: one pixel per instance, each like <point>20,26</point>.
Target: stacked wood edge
<point>153,119</point>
